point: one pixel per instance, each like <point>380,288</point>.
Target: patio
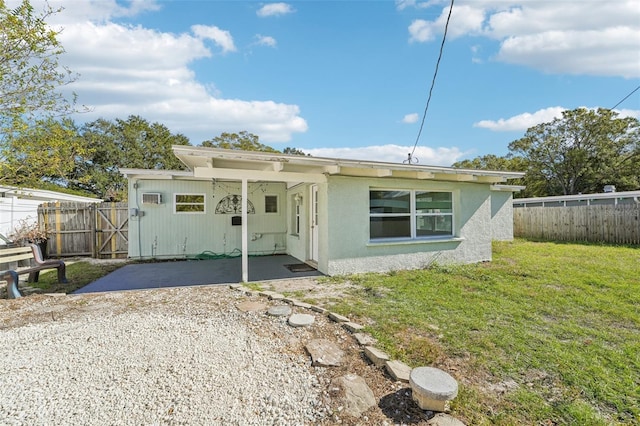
<point>199,272</point>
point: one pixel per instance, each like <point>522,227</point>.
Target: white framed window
<point>296,202</point>
<point>189,203</point>
<point>271,204</point>
<point>410,214</point>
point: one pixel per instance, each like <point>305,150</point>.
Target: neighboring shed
<point>21,204</point>
<point>341,216</point>
<point>610,198</point>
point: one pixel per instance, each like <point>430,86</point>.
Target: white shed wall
<point>160,232</point>
<point>502,215</point>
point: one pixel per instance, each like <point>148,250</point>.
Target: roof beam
<point>332,170</point>
<point>457,177</point>
<point>258,175</point>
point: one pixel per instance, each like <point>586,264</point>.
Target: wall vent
<point>151,198</point>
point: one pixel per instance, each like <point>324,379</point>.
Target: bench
<point>32,253</point>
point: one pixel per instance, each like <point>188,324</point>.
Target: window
<point>189,203</point>
<point>403,214</point>
<point>296,202</point>
<point>271,204</point>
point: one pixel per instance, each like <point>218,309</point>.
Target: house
<point>341,216</point>
<point>21,204</point>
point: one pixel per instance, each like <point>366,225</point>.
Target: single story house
<point>341,216</point>
<point>21,205</point>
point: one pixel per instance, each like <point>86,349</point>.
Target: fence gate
<point>81,229</point>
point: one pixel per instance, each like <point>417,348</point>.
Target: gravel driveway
<point>174,356</point>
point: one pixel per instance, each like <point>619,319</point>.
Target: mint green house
<point>340,216</point>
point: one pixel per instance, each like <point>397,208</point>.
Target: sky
<point>351,79</point>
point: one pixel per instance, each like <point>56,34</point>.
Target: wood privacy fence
<point>596,223</point>
<point>81,229</point>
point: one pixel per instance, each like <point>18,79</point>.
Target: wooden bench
<point>32,253</point>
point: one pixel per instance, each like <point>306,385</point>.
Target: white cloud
<point>132,70</point>
<point>274,9</point>
<point>410,118</point>
<point>265,41</point>
<point>577,37</point>
<point>220,37</point>
<point>524,121</point>
<point>392,154</point>
<point>521,122</point>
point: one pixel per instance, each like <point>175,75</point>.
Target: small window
<point>271,204</point>
<point>189,203</point>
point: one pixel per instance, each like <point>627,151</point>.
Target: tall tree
<point>30,74</point>
<point>243,141</point>
<point>582,151</point>
<point>131,143</point>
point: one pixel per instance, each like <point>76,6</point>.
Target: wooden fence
<point>597,223</point>
<point>81,229</point>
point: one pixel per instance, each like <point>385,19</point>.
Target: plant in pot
<point>29,232</point>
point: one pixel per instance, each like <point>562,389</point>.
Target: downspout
<point>245,233</point>
<point>135,186</point>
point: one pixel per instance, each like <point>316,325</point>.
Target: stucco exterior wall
<point>502,215</point>
<point>162,233</point>
<point>349,249</point>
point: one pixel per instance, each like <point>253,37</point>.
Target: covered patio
<point>199,272</point>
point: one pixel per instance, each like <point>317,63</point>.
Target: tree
<point>131,143</point>
<point>243,141</point>
<point>294,151</point>
<point>44,153</point>
<point>581,152</point>
<point>29,70</point>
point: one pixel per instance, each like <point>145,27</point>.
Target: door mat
<point>299,267</point>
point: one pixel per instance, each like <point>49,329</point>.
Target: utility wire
<point>433,82</point>
<point>626,97</point>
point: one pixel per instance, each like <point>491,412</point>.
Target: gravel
<point>129,361</point>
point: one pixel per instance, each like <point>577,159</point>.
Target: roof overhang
<point>216,163</point>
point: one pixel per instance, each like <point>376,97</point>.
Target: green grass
<point>79,274</point>
<point>561,321</point>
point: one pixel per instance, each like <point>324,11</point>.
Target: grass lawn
<point>545,334</point>
<point>79,274</point>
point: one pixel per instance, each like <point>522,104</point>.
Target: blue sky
<point>351,78</point>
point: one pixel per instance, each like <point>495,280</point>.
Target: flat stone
<point>235,286</point>
<point>276,296</point>
<point>55,294</point>
<point>266,293</point>
<point>399,371</point>
<point>289,300</point>
<point>301,320</point>
<point>376,356</point>
<point>358,397</point>
<point>432,388</point>
<point>352,326</point>
<point>279,311</point>
<point>319,309</point>
<point>364,339</point>
<point>442,419</point>
<point>251,306</point>
<point>324,353</point>
<point>337,317</point>
<point>300,304</point>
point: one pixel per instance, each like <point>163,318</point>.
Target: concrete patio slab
<point>195,272</point>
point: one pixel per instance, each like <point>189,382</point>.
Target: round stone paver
<point>279,311</point>
<point>432,388</point>
<point>301,320</point>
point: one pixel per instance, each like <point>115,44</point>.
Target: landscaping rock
<point>352,326</point>
<point>300,304</point>
<point>301,320</point>
<point>276,296</point>
<point>432,388</point>
<point>357,396</point>
<point>318,309</point>
<point>376,356</point>
<point>251,306</point>
<point>324,353</point>
<point>398,370</point>
<point>364,339</point>
<point>279,311</point>
<point>442,419</point>
<point>337,317</point>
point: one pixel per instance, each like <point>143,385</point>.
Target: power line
<point>433,82</point>
<point>626,97</point>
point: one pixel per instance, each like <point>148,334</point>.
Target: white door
<point>314,223</point>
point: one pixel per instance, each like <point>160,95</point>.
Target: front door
<point>314,223</point>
